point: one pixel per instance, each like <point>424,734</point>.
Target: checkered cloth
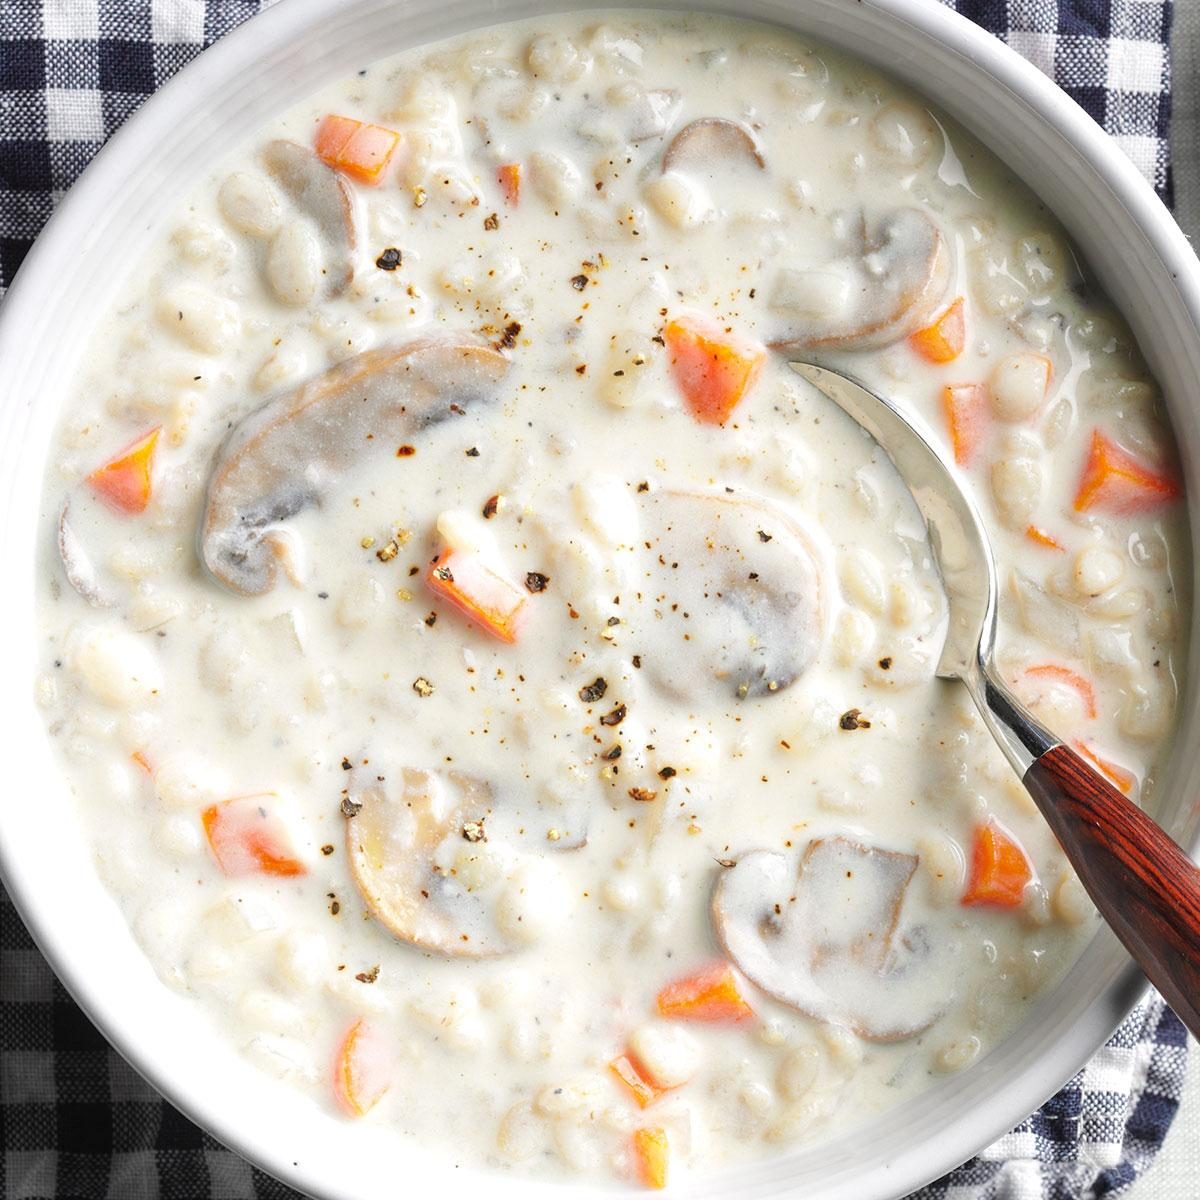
<point>75,1120</point>
<point>1110,56</point>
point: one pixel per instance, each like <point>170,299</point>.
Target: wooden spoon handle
<point>1144,885</point>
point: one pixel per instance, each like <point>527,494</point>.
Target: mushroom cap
<point>894,273</point>
<point>826,939</point>
<point>287,454</point>
<point>393,846</point>
<point>326,197</point>
<point>750,609</point>
<point>711,143</point>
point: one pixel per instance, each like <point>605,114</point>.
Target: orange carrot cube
<point>1041,538</point>
<point>509,178</point>
<point>943,341</point>
<point>999,868</point>
<point>713,368</point>
<point>125,482</point>
<point>1054,674</point>
<point>356,149</point>
<point>966,409</point>
<point>710,995</point>
<point>650,1153</point>
<point>1116,482</point>
<point>1125,781</point>
<point>248,837</point>
<point>487,599</point>
<point>633,1075</point>
<point>360,1069</point>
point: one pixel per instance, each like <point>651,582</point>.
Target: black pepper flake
<point>444,574</point>
<point>491,222</point>
<point>491,507</point>
<point>763,536</point>
<point>347,765</point>
<point>390,259</point>
<point>637,661</point>
<point>351,808</point>
<point>615,717</point>
<point>431,620</point>
<point>885,663</point>
<point>667,773</point>
<point>643,486</point>
<point>508,338</point>
<point>473,452</point>
<point>579,282</point>
<point>473,831</point>
<point>594,690</point>
<point>852,718</point>
<point>406,451</point>
<point>611,754</point>
<point>335,905</point>
<point>368,976</point>
<point>327,850</point>
<point>536,582</point>
<point>642,795</point>
<point>613,621</point>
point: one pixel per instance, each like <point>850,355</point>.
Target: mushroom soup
<point>501,692</point>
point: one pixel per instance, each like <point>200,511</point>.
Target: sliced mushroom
<point>78,567</point>
<point>326,197</point>
<point>394,843</point>
<point>885,286</point>
<point>711,142</point>
<point>292,451</point>
<point>826,939</point>
<point>749,610</point>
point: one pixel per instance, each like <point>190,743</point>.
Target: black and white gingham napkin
<point>76,1122</point>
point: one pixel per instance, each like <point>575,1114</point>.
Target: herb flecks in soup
<point>501,692</point>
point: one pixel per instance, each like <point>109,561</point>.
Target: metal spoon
<point>1144,885</point>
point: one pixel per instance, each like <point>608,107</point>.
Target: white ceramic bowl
<point>101,230</point>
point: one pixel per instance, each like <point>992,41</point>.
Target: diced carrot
<point>966,409</point>
<point>124,482</point>
<point>1042,538</point>
<point>360,1071</point>
<point>710,994</point>
<point>650,1152</point>
<point>1116,482</point>
<point>1072,679</point>
<point>634,1076</point>
<point>509,178</point>
<point>356,149</point>
<point>1125,781</point>
<point>248,837</point>
<point>999,868</point>
<point>492,602</point>
<point>943,341</point>
<point>713,368</point>
<point>140,760</point>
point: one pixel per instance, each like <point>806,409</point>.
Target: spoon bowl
<point>1143,884</point>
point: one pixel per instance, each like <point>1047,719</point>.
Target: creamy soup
<point>501,692</point>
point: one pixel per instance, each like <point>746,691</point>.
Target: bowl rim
<point>286,24</point>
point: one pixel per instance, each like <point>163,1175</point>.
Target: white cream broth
<point>714,747</point>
